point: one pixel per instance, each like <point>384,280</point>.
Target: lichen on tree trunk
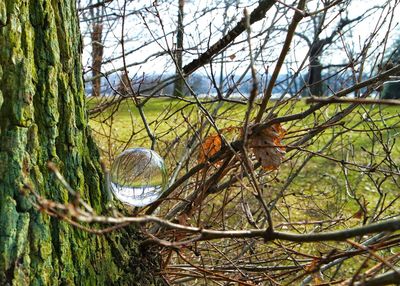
<point>42,119</point>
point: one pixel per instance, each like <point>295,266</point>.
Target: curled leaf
<point>212,143</point>
<point>267,147</point>
<point>210,146</point>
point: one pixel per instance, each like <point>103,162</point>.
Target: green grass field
<point>173,122</point>
<point>351,181</point>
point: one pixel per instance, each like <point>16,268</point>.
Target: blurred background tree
<point>391,89</point>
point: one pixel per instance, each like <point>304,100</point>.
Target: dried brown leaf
<point>210,146</point>
<point>267,147</point>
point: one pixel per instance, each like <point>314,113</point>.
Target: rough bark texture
<point>42,118</point>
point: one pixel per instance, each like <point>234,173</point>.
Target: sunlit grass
<point>337,188</point>
<point>323,188</point>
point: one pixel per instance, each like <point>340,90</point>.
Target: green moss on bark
<point>1,93</point>
<point>3,14</point>
<point>42,119</point>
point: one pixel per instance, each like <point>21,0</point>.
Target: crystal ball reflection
<point>138,177</point>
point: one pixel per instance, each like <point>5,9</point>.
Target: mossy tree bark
<point>42,119</point>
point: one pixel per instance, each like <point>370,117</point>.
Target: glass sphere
<point>138,177</point>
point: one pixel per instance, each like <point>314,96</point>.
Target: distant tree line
<point>200,85</point>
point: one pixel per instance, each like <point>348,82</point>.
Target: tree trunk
<point>42,119</point>
<point>315,78</point>
<point>314,81</point>
<point>179,81</point>
<point>391,90</point>
<point>97,57</point>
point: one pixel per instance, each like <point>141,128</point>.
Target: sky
<point>150,32</point>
